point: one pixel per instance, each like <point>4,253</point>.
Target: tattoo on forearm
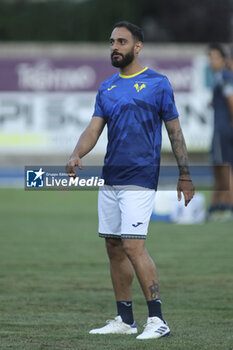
<point>179,149</point>
<point>154,290</point>
<point>184,170</point>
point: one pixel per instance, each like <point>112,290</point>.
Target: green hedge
<point>92,20</point>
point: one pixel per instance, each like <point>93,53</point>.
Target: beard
<point>124,61</point>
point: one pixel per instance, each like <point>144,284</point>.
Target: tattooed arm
<point>180,151</point>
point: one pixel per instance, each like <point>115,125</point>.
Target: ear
<point>138,47</point>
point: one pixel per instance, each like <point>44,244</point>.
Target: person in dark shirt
<point>230,58</point>
<point>221,207</point>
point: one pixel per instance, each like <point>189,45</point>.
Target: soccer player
<point>133,103</point>
<point>221,207</point>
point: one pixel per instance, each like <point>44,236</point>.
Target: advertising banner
<point>45,104</point>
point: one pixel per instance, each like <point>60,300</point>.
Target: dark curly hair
<point>136,31</point>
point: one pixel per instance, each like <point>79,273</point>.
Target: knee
<point>114,248</point>
<point>133,252</point>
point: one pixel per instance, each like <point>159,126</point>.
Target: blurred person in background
<point>221,207</point>
<point>230,58</point>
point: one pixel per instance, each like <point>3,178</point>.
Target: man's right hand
<point>70,166</point>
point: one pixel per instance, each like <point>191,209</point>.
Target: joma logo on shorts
<point>137,224</point>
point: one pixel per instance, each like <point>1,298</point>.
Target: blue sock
<point>212,208</point>
<point>154,308</point>
<point>224,206</point>
<point>125,310</point>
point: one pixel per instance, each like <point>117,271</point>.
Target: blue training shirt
<point>134,107</point>
<point>223,87</point>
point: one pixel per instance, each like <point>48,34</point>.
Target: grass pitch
<point>55,284</point>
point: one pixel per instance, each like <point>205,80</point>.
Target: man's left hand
<point>185,186</point>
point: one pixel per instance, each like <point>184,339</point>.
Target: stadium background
<point>54,55</point>
<point>53,268</point>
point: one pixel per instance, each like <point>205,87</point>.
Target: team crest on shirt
<point>139,86</point>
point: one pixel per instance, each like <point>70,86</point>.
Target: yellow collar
<point>132,75</point>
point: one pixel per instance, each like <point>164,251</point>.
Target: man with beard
<point>133,103</point>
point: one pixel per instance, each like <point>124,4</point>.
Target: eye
<point>122,41</point>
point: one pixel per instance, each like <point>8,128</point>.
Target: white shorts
<point>124,211</point>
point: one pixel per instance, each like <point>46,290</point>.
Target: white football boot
<point>116,326</point>
<point>154,328</point>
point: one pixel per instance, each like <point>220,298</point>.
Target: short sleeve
<point>98,110</point>
<point>168,108</point>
